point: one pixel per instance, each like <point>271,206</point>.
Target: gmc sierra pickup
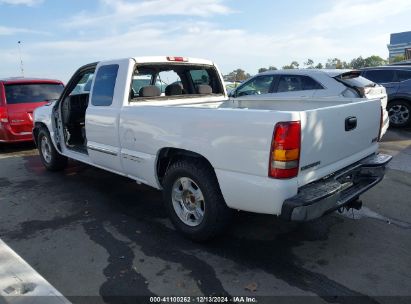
<point>167,122</point>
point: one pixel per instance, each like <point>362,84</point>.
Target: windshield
<point>32,92</point>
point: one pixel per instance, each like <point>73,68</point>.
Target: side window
<point>292,83</point>
<point>403,75</point>
<point>103,90</point>
<point>380,76</point>
<point>310,84</point>
<point>84,84</point>
<point>256,86</point>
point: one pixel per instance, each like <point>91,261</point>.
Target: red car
<point>18,99</point>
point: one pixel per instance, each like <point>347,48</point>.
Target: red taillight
<point>285,150</point>
<point>179,59</point>
<point>3,115</point>
<point>381,123</point>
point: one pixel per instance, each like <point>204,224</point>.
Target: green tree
<point>374,60</point>
<point>397,58</point>
<point>319,66</point>
<point>270,68</point>
<point>292,65</point>
<point>309,63</point>
<point>336,63</point>
<point>357,63</point>
<point>237,75</point>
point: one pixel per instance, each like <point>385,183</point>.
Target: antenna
<point>21,59</point>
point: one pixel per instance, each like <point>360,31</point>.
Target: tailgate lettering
<point>310,166</point>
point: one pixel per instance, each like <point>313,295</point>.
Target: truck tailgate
<point>336,136</point>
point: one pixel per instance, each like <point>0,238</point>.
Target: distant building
<point>400,44</point>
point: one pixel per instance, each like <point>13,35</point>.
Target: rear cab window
<point>32,92</point>
<point>171,80</point>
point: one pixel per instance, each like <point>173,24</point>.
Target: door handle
<point>350,123</point>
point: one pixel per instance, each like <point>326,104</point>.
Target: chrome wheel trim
<point>45,149</point>
<point>188,201</point>
<point>399,114</point>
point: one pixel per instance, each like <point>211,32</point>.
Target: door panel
<point>384,77</point>
<point>102,117</point>
<point>391,88</point>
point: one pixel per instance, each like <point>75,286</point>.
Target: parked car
<point>298,159</point>
<point>18,99</point>
<point>312,83</point>
<point>397,81</point>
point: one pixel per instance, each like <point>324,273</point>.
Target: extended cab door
<point>103,113</point>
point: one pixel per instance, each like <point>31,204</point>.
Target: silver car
<point>312,83</point>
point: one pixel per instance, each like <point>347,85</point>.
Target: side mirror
<point>232,94</point>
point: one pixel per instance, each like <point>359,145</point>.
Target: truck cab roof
<point>166,59</point>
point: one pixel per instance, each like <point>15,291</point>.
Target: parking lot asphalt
<point>93,234</point>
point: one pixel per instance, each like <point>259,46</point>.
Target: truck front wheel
<point>194,201</point>
<point>50,158</point>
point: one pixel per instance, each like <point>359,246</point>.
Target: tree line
<point>332,63</point>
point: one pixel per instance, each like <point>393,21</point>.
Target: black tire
<point>399,105</point>
<point>216,213</point>
<point>54,161</point>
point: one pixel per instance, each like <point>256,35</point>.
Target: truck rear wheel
<point>194,201</point>
<point>50,158</point>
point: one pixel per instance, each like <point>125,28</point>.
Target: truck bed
<point>268,104</point>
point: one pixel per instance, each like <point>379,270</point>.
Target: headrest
<point>149,91</point>
<point>204,89</point>
<point>173,89</point>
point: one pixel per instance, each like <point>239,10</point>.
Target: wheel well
<point>399,99</point>
<point>36,129</point>
<point>167,156</point>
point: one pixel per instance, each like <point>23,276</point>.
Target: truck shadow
<point>252,242</point>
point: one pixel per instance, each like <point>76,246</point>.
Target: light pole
<point>21,59</point>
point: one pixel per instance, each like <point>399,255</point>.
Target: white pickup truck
<point>167,122</point>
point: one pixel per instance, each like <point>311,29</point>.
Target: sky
<point>59,36</point>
